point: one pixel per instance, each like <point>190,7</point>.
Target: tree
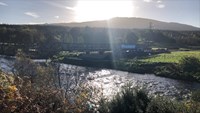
<point>131,38</point>
<point>75,32</point>
<point>80,40</point>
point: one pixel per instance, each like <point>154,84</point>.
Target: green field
<point>173,57</point>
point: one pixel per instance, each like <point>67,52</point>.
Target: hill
<point>133,23</point>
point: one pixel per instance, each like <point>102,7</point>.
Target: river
<point>110,80</point>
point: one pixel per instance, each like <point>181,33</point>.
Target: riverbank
<point>166,64</point>
<point>122,65</point>
<point>169,70</point>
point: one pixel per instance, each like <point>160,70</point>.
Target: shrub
<point>24,66</point>
<point>187,69</point>
<point>132,100</point>
<point>196,96</point>
<point>34,89</point>
<point>40,75</point>
<point>129,100</point>
<point>190,64</point>
<point>161,105</point>
<point>22,95</point>
<point>170,70</point>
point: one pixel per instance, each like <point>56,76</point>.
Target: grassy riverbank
<point>165,64</point>
<point>173,57</point>
<point>183,65</point>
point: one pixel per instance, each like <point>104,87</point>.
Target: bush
<point>24,96</point>
<point>161,105</point>
<point>196,96</point>
<point>129,100</point>
<point>34,89</point>
<point>170,70</point>
<point>187,69</point>
<point>24,66</point>
<point>20,94</point>
<point>40,75</point>
<point>190,64</point>
<point>132,100</point>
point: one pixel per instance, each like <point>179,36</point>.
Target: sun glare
<point>87,10</point>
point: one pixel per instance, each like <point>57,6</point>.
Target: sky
<point>61,11</point>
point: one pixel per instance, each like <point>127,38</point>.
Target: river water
<point>110,81</point>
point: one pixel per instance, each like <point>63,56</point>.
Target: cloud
<point>3,4</point>
<point>56,4</point>
<point>137,7</point>
<point>32,14</point>
<point>57,17</point>
<point>161,6</point>
<point>159,1</point>
<point>147,0</point>
<point>34,23</point>
<point>70,8</point>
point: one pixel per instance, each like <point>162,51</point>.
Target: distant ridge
<point>133,23</point>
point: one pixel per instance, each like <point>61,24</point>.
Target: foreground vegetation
<point>22,94</point>
<point>35,88</point>
<point>133,100</point>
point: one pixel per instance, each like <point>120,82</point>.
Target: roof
<point>128,46</point>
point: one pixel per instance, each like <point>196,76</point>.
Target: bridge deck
<point>86,47</point>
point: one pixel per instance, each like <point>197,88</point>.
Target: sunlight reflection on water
<point>112,81</point>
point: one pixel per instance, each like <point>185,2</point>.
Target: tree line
<point>50,37</point>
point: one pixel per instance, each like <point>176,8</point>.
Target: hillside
<point>133,23</point>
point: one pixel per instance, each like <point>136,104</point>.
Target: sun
<point>87,10</point>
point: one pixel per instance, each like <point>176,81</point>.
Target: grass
<point>173,57</point>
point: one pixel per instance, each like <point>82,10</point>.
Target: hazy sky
<point>53,11</point>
